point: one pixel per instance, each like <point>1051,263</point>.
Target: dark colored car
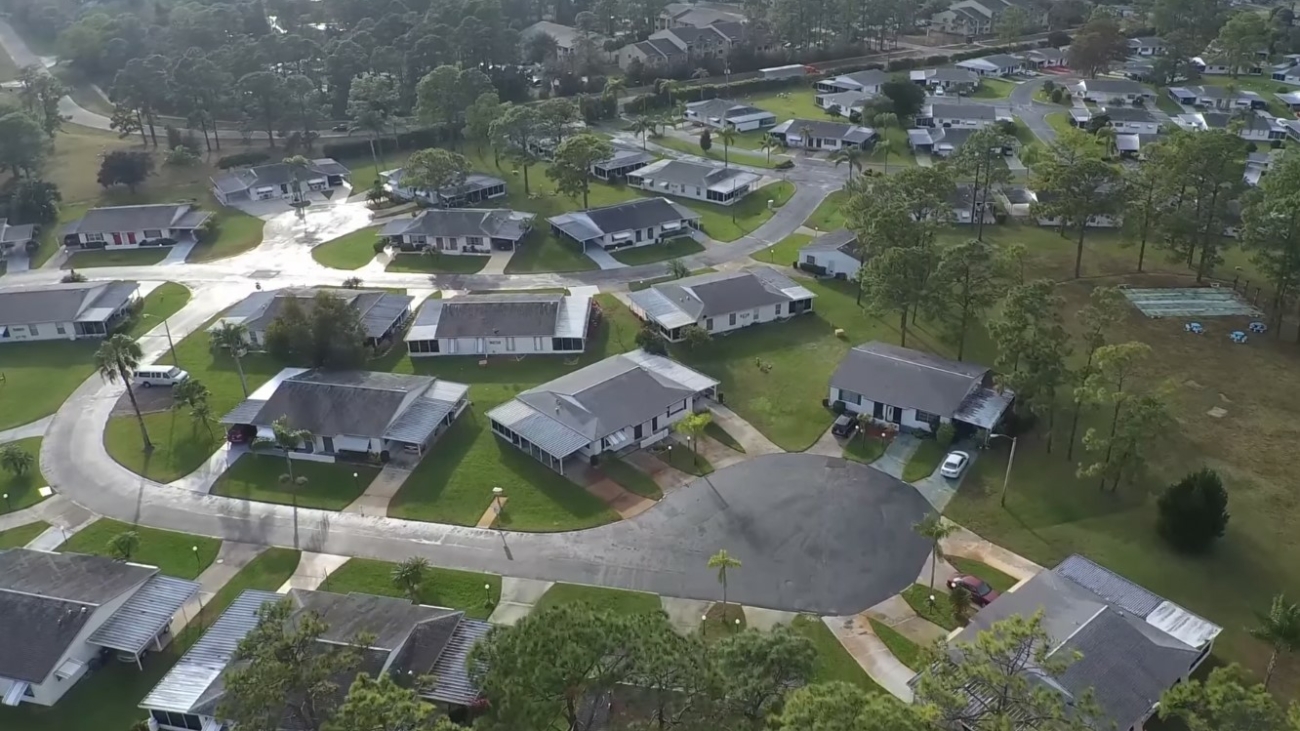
<point>241,434</point>
<point>845,425</point>
<point>340,128</point>
<point>981,593</point>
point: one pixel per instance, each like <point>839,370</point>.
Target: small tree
<point>945,434</point>
<point>723,561</point>
<point>409,577</point>
<point>124,545</point>
<point>696,336</point>
<point>1193,512</point>
<point>706,140</point>
<point>690,426</point>
<point>935,530</point>
<point>232,337</point>
<point>125,167</point>
<point>1280,628</point>
<point>678,270</point>
<point>16,460</point>
<point>651,341</point>
<point>959,599</point>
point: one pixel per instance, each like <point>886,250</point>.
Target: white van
<point>150,376</point>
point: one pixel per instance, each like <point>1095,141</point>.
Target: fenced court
<point>1190,302</point>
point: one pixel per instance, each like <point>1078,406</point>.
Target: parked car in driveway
<point>845,425</point>
<point>954,464</point>
<point>241,434</point>
<point>981,593</point>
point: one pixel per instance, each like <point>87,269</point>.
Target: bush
<point>181,156</point>
<point>1252,147</point>
<point>1056,95</point>
<point>1193,512</point>
<point>379,246</point>
<point>242,159</point>
<point>945,434</point>
<point>1049,86</point>
<point>649,340</point>
<point>695,336</point>
<point>352,283</point>
<point>208,232</point>
<point>73,276</point>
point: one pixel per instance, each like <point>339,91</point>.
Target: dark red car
<point>981,593</point>
<point>241,434</point>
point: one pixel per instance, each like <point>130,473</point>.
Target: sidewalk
<point>57,510</point>
<point>966,544</point>
<point>202,479</point>
<point>313,569</point>
<point>26,431</point>
<point>231,557</point>
<point>742,431</point>
<point>603,258</point>
<point>518,596</point>
<point>856,635</point>
<point>374,501</point>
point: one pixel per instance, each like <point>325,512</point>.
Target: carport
<point>142,620</point>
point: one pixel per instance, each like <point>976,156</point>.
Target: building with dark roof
<point>1113,91</point>
<point>613,406</point>
<point>279,180</point>
<point>917,391</point>
<point>129,227</point>
<point>383,314</point>
<point>475,188</point>
<point>699,14</point>
<point>720,302</point>
<point>623,161</point>
<point>59,611</point>
<point>409,641</point>
<point>65,311</point>
<point>820,134</point>
<point>640,222</point>
<point>460,231</point>
<point>501,324</point>
<point>724,113</point>
<point>681,41</point>
<point>699,181</point>
<point>947,78</point>
<point>835,254</point>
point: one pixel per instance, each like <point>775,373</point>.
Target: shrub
<point>352,283</point>
<point>945,434</point>
<point>181,156</point>
<point>695,336</point>
<point>1252,147</point>
<point>649,340</point>
<point>1193,512</point>
<point>1049,86</point>
<point>380,245</point>
<point>208,231</point>
<point>241,159</point>
<point>73,276</point>
<point>1056,95</point>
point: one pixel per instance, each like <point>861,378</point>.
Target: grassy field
<point>172,553</point>
<point>736,154</point>
<point>917,597</point>
<point>39,376</point>
<point>610,600</point>
<point>684,459</point>
<point>21,491</point>
<point>123,258</point>
<point>784,251</point>
<point>256,477</point>
<point>996,579</point>
<point>631,478</point>
<point>22,535</point>
<point>1059,121</point>
<point>905,650</point>
<point>461,590</point>
<point>728,223</point>
<point>180,445</point>
<point>864,449</point>
<point>899,154</point>
<point>439,263</point>
<point>350,251</point>
<point>670,249</point>
<point>834,663</point>
<point>828,216</point>
<point>924,461</point>
<point>790,104</point>
<point>166,300</point>
<point>546,252</point>
<point>994,89</point>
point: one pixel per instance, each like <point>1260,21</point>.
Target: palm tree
<point>805,134</point>
<point>885,146</point>
<point>1106,136</point>
<point>124,545</point>
<point>770,142</point>
<point>16,460</point>
<point>700,73</point>
<point>723,561</point>
<point>201,412</point>
<point>118,358</point>
<point>936,530</point>
<point>285,438</point>
<point>1280,628</point>
<point>232,337</point>
<point>959,599</point>
<point>853,155</point>
<point>728,136</point>
<point>613,87</point>
<point>640,126</point>
<point>297,164</point>
<point>409,577</point>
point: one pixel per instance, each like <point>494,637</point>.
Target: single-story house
<point>869,82</point>
<point>460,231</point>
<point>624,161</point>
<point>383,314</point>
<point>1217,97</point>
<point>1016,200</point>
<point>833,254</point>
<point>973,116</point>
<point>1138,70</point>
<point>62,610</point>
<point>623,225</point>
<point>998,64</point>
<point>917,391</point>
<point>355,413</point>
<point>568,39</point>
<point>1261,126</point>
<point>1287,73</point>
<point>1257,164</point>
<point>1209,67</point>
<point>823,135</point>
<point>846,102</point>
<point>476,188</point>
<point>409,641</point>
<point>15,237</point>
<point>1130,145</point>
<point>613,406</point>
<point>693,180</point>
<point>722,113</point>
<point>948,78</point>
<point>1131,120</point>
<point>276,180</point>
<point>963,201</point>
<point>1129,644</point>
<point>129,227</point>
<point>720,302</point>
<point>1113,91</point>
<point>501,324</point>
<point>1146,46</point>
<point>938,141</point>
<point>65,311</point>
<point>1044,58</point>
<point>1291,99</point>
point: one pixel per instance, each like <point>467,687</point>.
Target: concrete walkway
<point>497,262</point>
<point>603,258</point>
<point>56,535</point>
<point>231,558</point>
<point>26,431</point>
<point>518,596</point>
<point>313,569</point>
<point>667,477</point>
<point>685,615</point>
<point>898,615</point>
<point>202,479</point>
<point>622,501</point>
<point>827,445</point>
<point>896,455</point>
<point>57,510</point>
<point>743,432</point>
<point>966,544</point>
<point>718,454</point>
<point>374,501</point>
<point>857,636</point>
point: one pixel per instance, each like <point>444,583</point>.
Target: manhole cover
<point>264,274</point>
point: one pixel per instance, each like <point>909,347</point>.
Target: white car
<point>954,464</point>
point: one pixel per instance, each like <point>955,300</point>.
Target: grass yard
<point>917,597</point>
<point>616,601</point>
<point>834,663</point>
<point>22,491</point>
<point>239,232</point>
<point>994,89</point>
<point>172,553</point>
<point>39,376</point>
<point>864,449</point>
<point>92,258</point>
<point>641,284</point>
<point>449,588</point>
<point>722,436</point>
<point>1166,103</point>
<point>22,535</point>
<point>924,461</point>
<point>180,444</point>
<point>905,650</point>
<point>1262,85</point>
<point>899,154</point>
<point>682,458</point>
<point>728,223</point>
<point>256,477</point>
<point>829,215</point>
<point>166,300</point>
<point>631,478</point>
<point>722,620</point>
<point>795,103</point>
<point>670,249</point>
<point>785,251</point>
<point>996,579</point>
<point>436,263</point>
<point>1059,121</point>
<point>737,154</point>
<point>545,252</point>
<point>350,251</point>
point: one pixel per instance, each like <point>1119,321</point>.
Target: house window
<point>812,259</point>
<point>479,346</point>
<point>850,397</point>
<point>177,720</point>
<point>34,329</point>
<point>677,408</point>
<point>638,234</point>
<point>708,324</point>
<point>732,319</point>
<point>94,238</point>
<point>927,417</point>
<point>153,233</point>
<point>537,345</point>
<point>778,309</point>
<point>420,240</point>
<point>60,329</point>
<point>474,240</point>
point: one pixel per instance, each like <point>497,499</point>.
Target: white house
<point>938,141</point>
<point>279,180</point>
<point>1210,67</point>
<point>969,116</point>
<point>624,225</point>
<point>948,78</point>
<point>1261,126</point>
<point>62,610</point>
<point>623,161</point>
<point>461,231</point>
<point>383,314</point>
<point>130,227</point>
<point>614,406</point>
<point>1131,120</point>
<point>833,254</point>
<point>1287,73</point>
<point>501,324</point>
<point>476,188</point>
<point>1146,46</point>
<point>1044,58</point>
<point>568,40</point>
<point>917,391</point>
<point>723,113</point>
<point>846,102</point>
<point>999,64</point>
<point>823,135</point>
<point>697,181</point>
<point>867,82</point>
<point>1113,91</point>
<point>719,302</point>
<point>65,311</point>
<point>1217,97</point>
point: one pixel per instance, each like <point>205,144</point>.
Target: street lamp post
<point>167,329</point>
<point>496,499</point>
<point>8,508</point>
<point>1006,478</point>
<point>355,481</point>
<point>487,595</point>
<point>195,551</point>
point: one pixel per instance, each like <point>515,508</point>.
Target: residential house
<point>475,231</point>
<point>73,311</point>
<point>823,135</point>
<point>680,44</point>
<point>501,324</point>
<point>568,40</point>
<point>1131,120</point>
<point>1291,99</point>
<point>969,116</point>
<point>1139,70</point>
<point>1287,72</point>
<point>383,314</point>
<point>130,227</point>
<point>1261,126</point>
<point>1044,58</point>
<point>938,141</point>
<point>1131,145</point>
<point>845,103</point>
<point>279,180</point>
<point>1204,65</point>
<point>1016,200</point>
<point>835,254</point>
<point>1105,220</point>
<point>613,406</point>
<point>1110,92</point>
<point>1146,46</point>
<point>405,640</point>
<point>997,65</point>
<point>15,237</point>
<point>917,391</point>
<point>354,414</point>
<point>624,161</point>
<point>1217,97</point>
<point>63,610</point>
<point>948,79</point>
<point>869,81</point>
<point>699,14</point>
<point>1259,163</point>
<point>719,302</point>
<point>697,181</point>
<point>475,188</point>
<point>1128,645</point>
<point>980,17</point>
<point>724,113</point>
<point>623,225</point>
<point>968,205</point>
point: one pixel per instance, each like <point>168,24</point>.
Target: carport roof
<point>133,626</point>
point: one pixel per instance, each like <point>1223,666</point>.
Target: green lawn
<point>435,263</point>
<point>543,251</point>
<point>728,223</point>
<point>172,553</point>
<point>684,459</point>
<point>617,601</point>
<point>238,232</point>
<point>723,620</point>
<point>670,249</point>
<point>22,535</point>
<point>905,650</point>
<point>49,239</point>
<point>92,258</point>
<point>834,663</point>
<point>994,89</point>
<point>917,597</point>
<point>924,461</point>
<point>900,155</point>
<point>631,478</point>
<point>1059,121</point>
<point>785,251</point>
<point>737,154</point>
<point>21,491</point>
<point>256,477</point>
<point>714,430</point>
<point>996,579</point>
<point>449,588</point>
<point>1166,103</point>
<point>350,251</point>
<point>864,449</point>
<point>1262,85</point>
<point>790,103</point>
<point>641,284</point>
<point>266,572</point>
<point>166,300</point>
<point>39,376</point>
<point>180,444</point>
<point>829,215</point>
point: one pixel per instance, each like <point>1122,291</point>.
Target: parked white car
<point>149,376</point>
<point>954,464</point>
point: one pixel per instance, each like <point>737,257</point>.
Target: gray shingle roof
<point>88,301</point>
<point>1115,86</point>
<point>951,74</point>
<point>686,300</point>
<point>641,213</point>
<point>826,130</point>
<point>624,156</point>
<point>138,218</point>
<point>843,241</point>
<point>330,403</point>
<point>274,174</point>
<point>495,223</point>
<point>683,172</point>
<point>21,233</point>
<point>724,109</point>
<point>868,77</point>
<point>507,315</point>
<point>908,378</point>
<point>1128,114</point>
<point>379,310</point>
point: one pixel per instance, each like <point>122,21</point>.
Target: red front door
<point>130,237</point>
<point>117,239</point>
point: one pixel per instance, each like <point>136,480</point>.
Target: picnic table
<point>1258,327</point>
<point>1237,336</point>
<point>1194,328</point>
